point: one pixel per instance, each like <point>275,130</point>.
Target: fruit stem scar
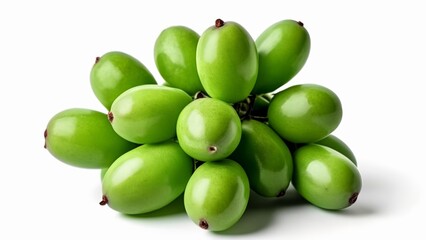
<point>281,193</point>
<point>300,23</point>
<point>110,117</point>
<point>97,59</point>
<point>203,224</point>
<point>104,200</point>
<point>219,23</point>
<point>353,198</point>
<point>45,136</point>
<point>212,149</point>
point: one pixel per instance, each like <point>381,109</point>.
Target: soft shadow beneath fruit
<point>260,212</point>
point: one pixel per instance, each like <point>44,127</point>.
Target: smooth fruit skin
<point>146,178</point>
<point>174,55</point>
<point>325,177</point>
<point>265,158</point>
<point>227,61</point>
<point>208,129</point>
<point>148,113</point>
<point>217,195</point>
<point>337,144</point>
<point>283,50</point>
<point>84,138</point>
<point>114,72</point>
<point>305,113</point>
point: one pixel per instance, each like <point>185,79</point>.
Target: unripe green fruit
<point>217,195</point>
<point>337,144</point>
<point>146,178</point>
<point>305,113</point>
<point>227,61</point>
<point>208,129</point>
<point>148,113</point>
<point>325,177</point>
<point>265,158</point>
<point>84,138</point>
<point>174,55</point>
<point>115,72</point>
<point>283,50</point>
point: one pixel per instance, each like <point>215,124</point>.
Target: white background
<point>371,53</point>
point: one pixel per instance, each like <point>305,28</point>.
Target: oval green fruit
<point>265,158</point>
<point>337,144</point>
<point>174,55</point>
<point>283,50</point>
<point>84,138</point>
<point>208,129</point>
<point>325,177</point>
<point>217,195</point>
<point>227,61</point>
<point>305,113</point>
<point>115,72</point>
<point>148,113</point>
<point>146,178</point>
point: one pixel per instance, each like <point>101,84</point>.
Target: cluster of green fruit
<point>217,129</point>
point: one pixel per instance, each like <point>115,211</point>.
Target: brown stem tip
<point>300,23</point>
<point>219,23</point>
<point>110,117</point>
<point>97,59</point>
<point>45,136</point>
<point>104,200</point>
<point>353,198</point>
<point>203,224</point>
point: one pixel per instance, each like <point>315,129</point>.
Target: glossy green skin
<point>227,62</point>
<point>115,72</point>
<point>84,138</point>
<point>103,171</point>
<point>148,113</point>
<point>305,113</point>
<point>174,55</point>
<point>283,50</point>
<point>217,195</point>
<point>208,129</point>
<point>147,178</point>
<point>325,177</point>
<point>265,158</point>
<point>338,145</point>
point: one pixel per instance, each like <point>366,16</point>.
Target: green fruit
<point>305,113</point>
<point>265,158</point>
<point>338,145</point>
<point>325,177</point>
<point>283,50</point>
<point>217,195</point>
<point>84,138</point>
<point>148,113</point>
<point>114,72</point>
<point>146,178</point>
<point>227,61</point>
<point>174,54</point>
<point>208,129</point>
<point>103,171</point>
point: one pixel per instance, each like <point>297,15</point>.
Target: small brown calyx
<point>104,200</point>
<point>300,23</point>
<point>203,224</point>
<point>219,23</point>
<point>45,136</point>
<point>97,59</point>
<point>353,198</point>
<point>212,149</point>
<point>110,117</point>
<point>281,193</point>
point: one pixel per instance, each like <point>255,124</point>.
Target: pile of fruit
<point>221,126</point>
